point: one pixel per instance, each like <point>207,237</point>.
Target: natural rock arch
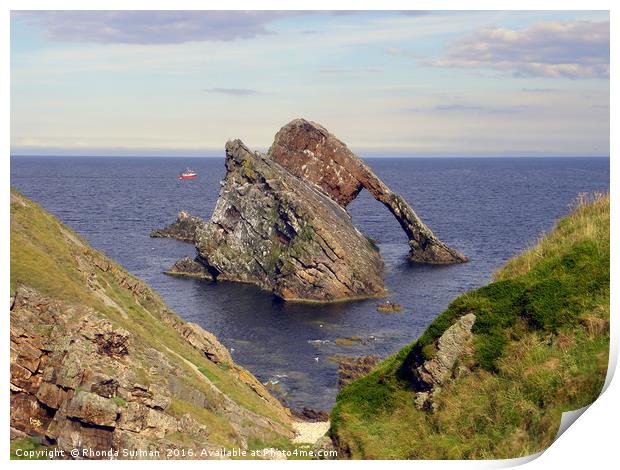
<point>310,152</point>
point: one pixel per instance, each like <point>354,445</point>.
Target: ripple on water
<point>487,208</point>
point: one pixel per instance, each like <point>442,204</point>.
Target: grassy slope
<point>541,342</point>
<point>46,255</point>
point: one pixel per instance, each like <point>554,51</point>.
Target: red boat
<point>188,175</point>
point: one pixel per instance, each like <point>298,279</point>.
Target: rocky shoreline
<point>98,362</point>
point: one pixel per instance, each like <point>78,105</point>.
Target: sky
<point>413,83</point>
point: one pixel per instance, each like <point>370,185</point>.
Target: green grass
<point>29,445</point>
<point>219,429</point>
<point>540,347</point>
<point>119,401</point>
<point>294,451</point>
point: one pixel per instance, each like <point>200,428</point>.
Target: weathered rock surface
<point>189,267</point>
<point>310,152</point>
<point>313,416</point>
<point>91,408</point>
<point>352,368</point>
<point>432,374</point>
<point>281,222</point>
<point>184,228</point>
<point>99,362</point>
<point>285,235</point>
<point>205,342</point>
<point>389,307</point>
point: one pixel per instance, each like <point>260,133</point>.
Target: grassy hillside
<point>50,259</point>
<point>540,347</point>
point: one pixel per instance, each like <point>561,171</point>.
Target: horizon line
<point>360,154</point>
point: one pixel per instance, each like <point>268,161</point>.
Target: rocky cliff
<point>98,362</point>
<point>310,152</point>
<point>492,375</point>
<point>285,235</point>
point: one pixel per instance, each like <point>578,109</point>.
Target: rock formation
<point>184,228</point>
<point>189,267</point>
<point>281,222</point>
<point>286,235</point>
<point>98,362</point>
<point>311,153</point>
<point>434,373</point>
<point>352,368</point>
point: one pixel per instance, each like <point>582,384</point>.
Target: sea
<point>488,208</point>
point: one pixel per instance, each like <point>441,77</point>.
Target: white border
<point>591,443</point>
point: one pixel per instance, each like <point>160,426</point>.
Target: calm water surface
<point>490,209</point>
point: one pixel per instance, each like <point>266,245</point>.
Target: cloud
<point>150,27</point>
<point>577,49</point>
<point>234,91</point>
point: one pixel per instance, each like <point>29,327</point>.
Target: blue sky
<point>386,83</point>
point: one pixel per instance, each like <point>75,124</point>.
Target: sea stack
<point>286,235</point>
<point>281,221</point>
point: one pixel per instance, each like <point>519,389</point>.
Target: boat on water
<point>187,175</point>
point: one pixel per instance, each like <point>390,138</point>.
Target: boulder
<point>310,152</point>
<point>93,409</point>
<point>286,235</point>
<point>50,395</point>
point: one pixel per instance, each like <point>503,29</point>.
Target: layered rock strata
<point>311,153</point>
<point>451,347</point>
<point>285,235</point>
<point>281,222</point>
<point>99,363</point>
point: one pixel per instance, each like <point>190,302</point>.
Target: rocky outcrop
<point>352,368</point>
<point>189,267</point>
<point>285,235</point>
<point>311,153</point>
<point>389,307</point>
<point>184,228</point>
<point>310,415</point>
<point>281,222</point>
<point>206,342</point>
<point>98,362</point>
<point>434,373</point>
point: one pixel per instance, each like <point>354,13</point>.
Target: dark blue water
<point>490,209</point>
